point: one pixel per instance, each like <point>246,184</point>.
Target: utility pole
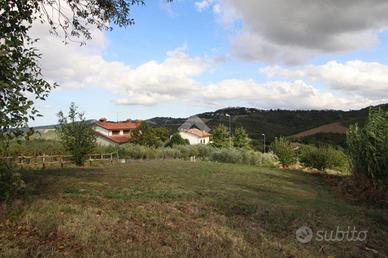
<point>230,131</point>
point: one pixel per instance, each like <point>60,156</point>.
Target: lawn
<point>180,209</point>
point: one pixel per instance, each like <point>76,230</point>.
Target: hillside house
<point>195,131</point>
<point>114,133</point>
<point>195,136</point>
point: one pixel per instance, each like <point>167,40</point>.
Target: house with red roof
<point>114,133</point>
<point>195,131</point>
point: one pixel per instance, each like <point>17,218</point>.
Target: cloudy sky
<point>188,57</point>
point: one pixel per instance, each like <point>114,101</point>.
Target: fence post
<point>43,161</point>
<point>61,160</point>
<point>90,160</point>
<point>111,158</point>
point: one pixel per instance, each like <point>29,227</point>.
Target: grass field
<point>180,209</point>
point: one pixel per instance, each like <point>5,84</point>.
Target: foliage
<point>11,182</point>
<point>33,147</point>
<point>368,147</point>
<point>220,136</point>
<point>146,135</point>
<point>77,135</point>
<point>323,158</point>
<point>241,138</point>
<point>176,139</point>
<point>204,152</point>
<point>284,151</point>
<point>227,156</point>
<point>19,70</point>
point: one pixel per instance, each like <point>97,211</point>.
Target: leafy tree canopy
<point>241,138</point>
<point>284,151</point>
<point>220,137</point>
<point>76,134</point>
<point>146,135</point>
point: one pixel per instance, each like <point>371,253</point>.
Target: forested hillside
<point>275,123</point>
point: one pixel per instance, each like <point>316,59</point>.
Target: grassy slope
<point>178,208</point>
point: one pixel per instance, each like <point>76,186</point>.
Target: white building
<point>195,136</point>
<point>114,133</point>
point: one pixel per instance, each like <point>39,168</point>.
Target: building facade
<point>114,133</point>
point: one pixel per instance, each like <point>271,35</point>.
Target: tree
<point>241,138</point>
<point>368,147</point>
<point>284,151</point>
<point>220,137</point>
<point>146,135</point>
<point>176,139</point>
<point>76,134</point>
<point>19,70</point>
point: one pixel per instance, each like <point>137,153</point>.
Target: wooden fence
<point>45,160</point>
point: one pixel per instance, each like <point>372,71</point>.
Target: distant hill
<point>274,123</point>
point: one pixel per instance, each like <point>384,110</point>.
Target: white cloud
<point>75,67</point>
<point>368,79</point>
<point>202,5</point>
<point>286,95</point>
<point>292,31</point>
<point>174,79</point>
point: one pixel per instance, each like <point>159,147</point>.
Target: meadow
<point>175,208</point>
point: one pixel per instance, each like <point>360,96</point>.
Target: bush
<point>11,182</point>
<point>284,151</point>
<point>204,151</point>
<point>368,147</point>
<point>251,158</point>
<point>227,156</point>
<point>323,158</point>
<point>176,139</point>
<point>33,147</point>
<point>269,160</point>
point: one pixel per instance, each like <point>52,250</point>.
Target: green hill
<point>274,123</point>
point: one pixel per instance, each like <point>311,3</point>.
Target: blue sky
<point>188,57</point>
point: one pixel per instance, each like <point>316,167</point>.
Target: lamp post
<point>263,142</point>
<point>230,131</point>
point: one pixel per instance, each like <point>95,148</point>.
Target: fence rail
<point>44,160</point>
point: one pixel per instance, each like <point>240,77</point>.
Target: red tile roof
<point>120,139</point>
<point>197,132</point>
<point>123,125</point>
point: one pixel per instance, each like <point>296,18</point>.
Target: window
<point>115,132</point>
<point>126,131</point>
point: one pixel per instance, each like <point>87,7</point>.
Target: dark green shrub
<point>323,158</point>
<point>284,151</point>
<point>368,147</point>
<point>221,137</point>
<point>176,139</point>
<point>241,138</point>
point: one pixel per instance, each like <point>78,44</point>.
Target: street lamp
<point>263,142</point>
<point>230,131</point>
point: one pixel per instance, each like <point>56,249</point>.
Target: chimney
<point>103,119</point>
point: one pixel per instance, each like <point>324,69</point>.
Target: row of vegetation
<point>366,155</point>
